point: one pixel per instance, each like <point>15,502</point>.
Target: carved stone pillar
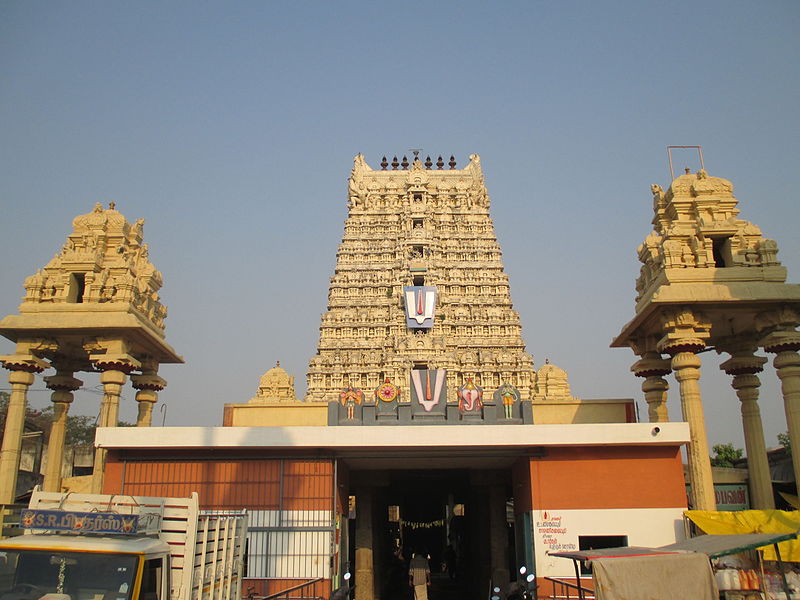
<point>113,377</point>
<point>653,368</point>
<point>21,377</point>
<point>744,365</point>
<point>365,571</point>
<point>785,344</point>
<point>147,385</point>
<point>684,339</point>
<point>62,384</point>
<point>498,536</point>
<point>686,365</point>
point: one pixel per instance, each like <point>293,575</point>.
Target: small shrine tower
<point>710,280</point>
<point>276,385</point>
<point>93,307</point>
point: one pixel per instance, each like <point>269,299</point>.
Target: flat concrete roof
<point>396,437</point>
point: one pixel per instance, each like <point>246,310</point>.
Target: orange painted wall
<point>607,477</point>
<point>228,483</point>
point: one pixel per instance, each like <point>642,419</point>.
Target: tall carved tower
<point>419,285</point>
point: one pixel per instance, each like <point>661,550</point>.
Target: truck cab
<point>121,547</point>
<point>70,567</point>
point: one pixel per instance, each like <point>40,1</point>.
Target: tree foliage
<point>725,455</point>
<point>80,428</point>
<point>785,441</point>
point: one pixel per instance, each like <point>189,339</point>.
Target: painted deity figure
<point>509,395</point>
<point>349,399</point>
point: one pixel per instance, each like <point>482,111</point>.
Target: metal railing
<point>565,590</point>
<point>285,593</point>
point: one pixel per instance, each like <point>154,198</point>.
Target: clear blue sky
<point>230,127</point>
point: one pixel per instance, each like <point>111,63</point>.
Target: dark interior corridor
<point>444,514</point>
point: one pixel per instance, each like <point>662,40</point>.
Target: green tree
<point>785,441</point>
<point>725,455</point>
<point>80,428</point>
<point>33,417</point>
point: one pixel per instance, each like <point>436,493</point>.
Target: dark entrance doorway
<point>459,518</point>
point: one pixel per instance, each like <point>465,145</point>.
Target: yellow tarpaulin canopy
<point>752,521</point>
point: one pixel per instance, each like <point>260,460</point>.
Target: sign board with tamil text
<point>81,522</point>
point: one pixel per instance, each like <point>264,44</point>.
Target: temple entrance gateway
<point>461,518</point>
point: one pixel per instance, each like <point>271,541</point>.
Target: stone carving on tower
<point>419,286</point>
<point>94,307</point>
<point>696,231</point>
<point>103,262</point>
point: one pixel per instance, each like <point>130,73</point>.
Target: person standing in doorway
<point>419,576</point>
<point>450,561</point>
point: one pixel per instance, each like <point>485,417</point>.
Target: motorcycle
<point>524,588</point>
<point>344,592</point>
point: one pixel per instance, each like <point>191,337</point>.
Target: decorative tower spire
<point>430,231</point>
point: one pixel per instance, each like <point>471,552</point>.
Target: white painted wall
<point>558,530</point>
<point>410,436</point>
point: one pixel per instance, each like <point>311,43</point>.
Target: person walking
<point>419,576</point>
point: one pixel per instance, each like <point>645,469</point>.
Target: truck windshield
<point>35,574</point>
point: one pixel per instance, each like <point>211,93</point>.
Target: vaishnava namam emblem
<point>420,306</point>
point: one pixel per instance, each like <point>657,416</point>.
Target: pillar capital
<point>782,341</point>
<point>113,377</point>
<point>780,319</point>
<point>147,385</point>
<point>745,381</point>
<point>787,363</point>
<point>743,364</point>
<point>645,345</point>
<point>124,363</point>
<point>684,331</point>
<point>148,382</point>
<point>26,363</point>
<point>678,344</point>
<point>683,360</point>
<point>651,365</point>
<point>65,383</point>
<point>655,388</point>
<point>24,378</point>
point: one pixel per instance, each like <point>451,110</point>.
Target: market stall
<point>685,570</point>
